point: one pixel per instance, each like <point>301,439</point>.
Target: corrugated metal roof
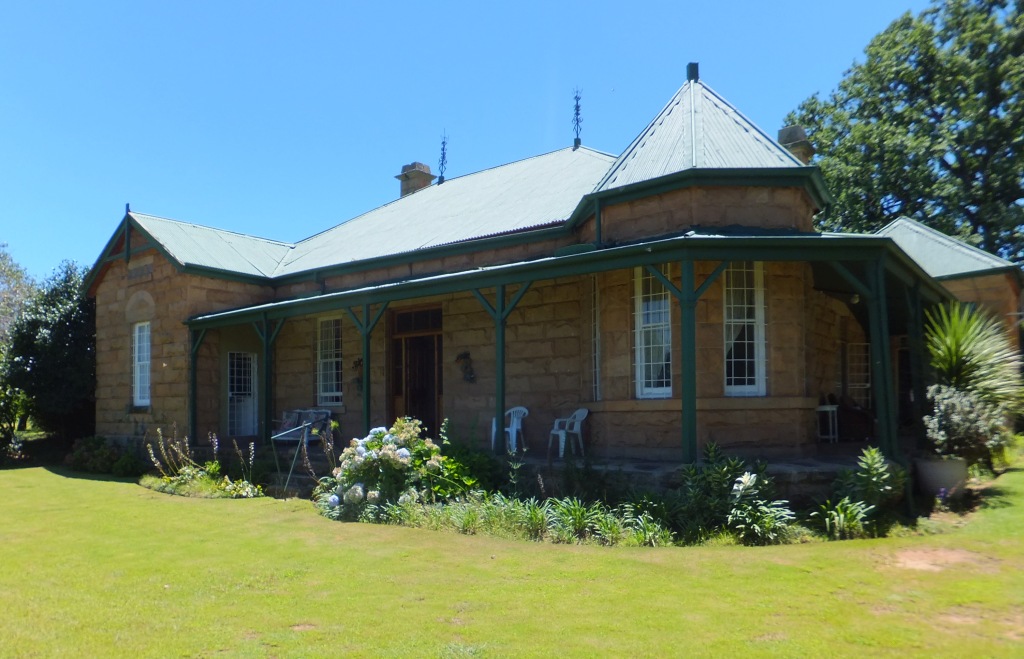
<point>531,193</point>
<point>938,254</point>
<point>195,245</point>
<point>697,129</point>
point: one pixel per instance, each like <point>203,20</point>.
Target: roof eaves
<point>494,241</point>
<point>809,178</point>
<point>859,247</point>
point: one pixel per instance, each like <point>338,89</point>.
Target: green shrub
<point>877,485</point>
<point>94,455</point>
<point>843,520</point>
<point>971,352</point>
<point>127,466</point>
<point>645,531</point>
<point>572,520</point>
<point>755,520</point>
<point>965,426</point>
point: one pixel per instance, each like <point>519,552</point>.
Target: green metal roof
<point>528,194</point>
<point>697,139</point>
<point>697,129</point>
<point>942,256</point>
<point>203,247</point>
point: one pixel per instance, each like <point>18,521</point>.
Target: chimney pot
<point>415,176</point>
<point>692,72</point>
<point>795,139</point>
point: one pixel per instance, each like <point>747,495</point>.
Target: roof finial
<point>577,120</point>
<point>127,208</point>
<point>442,164</point>
<point>692,72</point>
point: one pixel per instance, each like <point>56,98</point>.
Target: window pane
<point>744,330</point>
<point>329,362</point>
<point>653,336</point>
<point>140,364</point>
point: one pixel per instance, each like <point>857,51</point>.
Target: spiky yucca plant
<point>971,352</point>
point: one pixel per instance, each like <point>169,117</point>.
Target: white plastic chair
<point>513,430</point>
<point>571,425</point>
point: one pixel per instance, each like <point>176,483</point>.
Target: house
<point>970,274</point>
<point>677,290</point>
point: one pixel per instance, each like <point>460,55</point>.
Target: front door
<point>416,358</point>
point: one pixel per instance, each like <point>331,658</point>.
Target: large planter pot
<point>936,474</point>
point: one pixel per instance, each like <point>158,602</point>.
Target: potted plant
<point>979,389</point>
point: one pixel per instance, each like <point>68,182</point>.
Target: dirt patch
<point>770,637</point>
<point>959,619</point>
<point>305,627</point>
<point>936,560</point>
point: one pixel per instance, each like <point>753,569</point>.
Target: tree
<point>52,354</point>
<point>16,286</point>
<point>928,126</point>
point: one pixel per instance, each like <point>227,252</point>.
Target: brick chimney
<point>795,139</point>
<point>415,176</point>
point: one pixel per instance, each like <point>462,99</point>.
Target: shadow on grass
<point>39,450</point>
<point>68,472</point>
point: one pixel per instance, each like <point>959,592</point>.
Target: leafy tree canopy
<point>52,354</point>
<point>16,286</point>
<point>929,126</point>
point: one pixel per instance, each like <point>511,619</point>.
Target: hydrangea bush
<point>390,466</point>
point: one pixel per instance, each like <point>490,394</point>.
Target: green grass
<point>106,567</point>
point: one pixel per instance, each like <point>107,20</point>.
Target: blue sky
<point>283,119</point>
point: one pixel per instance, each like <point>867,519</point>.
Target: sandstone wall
<point>149,288</point>
<point>999,293</point>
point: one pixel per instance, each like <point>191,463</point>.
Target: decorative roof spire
<point>442,164</point>
<point>577,120</point>
<point>692,72</point>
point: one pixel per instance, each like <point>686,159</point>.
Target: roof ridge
<point>967,249</point>
<point>589,151</point>
<point>282,243</point>
<point>673,100</point>
<point>708,133</point>
<point>748,122</point>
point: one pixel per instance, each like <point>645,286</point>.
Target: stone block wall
<point>999,294</point>
<point>149,288</point>
<point>679,210</point>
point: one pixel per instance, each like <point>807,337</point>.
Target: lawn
<point>95,567</point>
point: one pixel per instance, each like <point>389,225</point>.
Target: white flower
<point>333,501</point>
<point>355,494</point>
<point>361,451</point>
<point>373,496</point>
<point>403,454</point>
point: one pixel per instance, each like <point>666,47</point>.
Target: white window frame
<point>743,315</point>
<point>141,360</point>
<point>652,314</point>
<point>329,362</point>
<point>858,373</point>
<point>243,400</point>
